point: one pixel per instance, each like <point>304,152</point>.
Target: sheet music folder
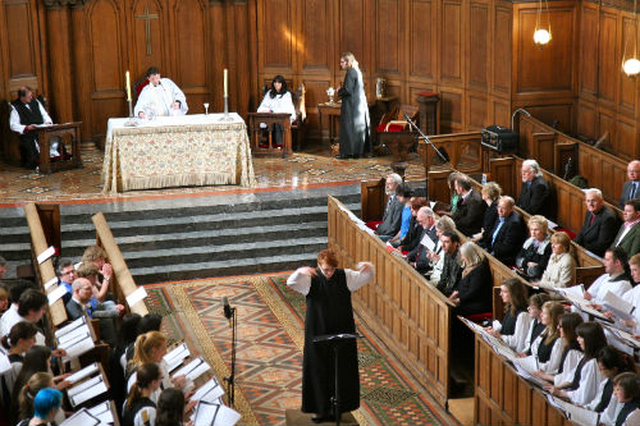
<point>336,337</point>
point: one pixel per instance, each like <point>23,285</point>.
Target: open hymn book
<point>211,414</point>
<point>86,387</point>
<point>76,338</point>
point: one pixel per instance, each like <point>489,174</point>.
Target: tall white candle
<point>226,83</point>
<point>128,78</point>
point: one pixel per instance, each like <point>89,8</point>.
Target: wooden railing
<point>504,398</point>
<point>45,272</point>
<point>122,282</point>
<point>412,317</point>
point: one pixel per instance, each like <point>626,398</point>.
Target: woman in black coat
<point>472,295</point>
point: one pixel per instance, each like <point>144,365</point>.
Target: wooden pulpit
<point>68,135</point>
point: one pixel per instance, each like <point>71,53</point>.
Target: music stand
<point>336,340</point>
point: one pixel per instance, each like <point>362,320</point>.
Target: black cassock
<point>329,311</point>
<point>354,115</point>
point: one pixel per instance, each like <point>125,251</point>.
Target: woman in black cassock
<point>328,292</point>
<point>354,113</point>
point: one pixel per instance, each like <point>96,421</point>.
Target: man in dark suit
<point>600,224</point>
<point>534,195</point>
<point>392,216</point>
<point>418,256</point>
<point>469,215</point>
<point>631,188</point>
<point>509,232</point>
<point>82,292</point>
<point>628,237</point>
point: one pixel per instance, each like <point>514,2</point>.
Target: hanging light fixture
<point>542,36</point>
<point>631,66</point>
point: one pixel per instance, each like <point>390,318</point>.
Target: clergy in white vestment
<point>160,97</point>
<point>278,98</point>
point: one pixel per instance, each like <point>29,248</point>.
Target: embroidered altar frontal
<point>192,150</point>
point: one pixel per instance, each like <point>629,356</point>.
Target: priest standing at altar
<point>328,291</point>
<point>160,97</point>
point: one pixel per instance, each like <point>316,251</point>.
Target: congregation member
<point>82,294</point>
<point>628,237</point>
<point>508,233</point>
<point>418,257</point>
<point>452,264</point>
<point>328,289</point>
<point>472,295</point>
<point>392,215</point>
<point>354,111</point>
<point>600,226</point>
<point>455,197</point>
<point>534,194</point>
<point>27,114</point>
<point>516,322</point>
<point>436,256</point>
<point>534,255</point>
<point>584,385</point>
<point>414,235</point>
<point>469,214</point>
<point>614,279</point>
<point>632,185</point>
<point>404,193</point>
<point>491,192</point>
<point>66,272</point>
<point>160,97</point>
<point>561,268</point>
<point>571,352</point>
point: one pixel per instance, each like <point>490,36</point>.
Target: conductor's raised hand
<point>308,271</point>
<point>365,267</point>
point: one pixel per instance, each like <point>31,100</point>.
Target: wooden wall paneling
<point>478,39</point>
<point>422,47</point>
<point>354,19</point>
<point>83,72</point>
<point>61,72</point>
<point>588,43</point>
<point>502,50</point>
<point>218,53</point>
<point>586,118</point>
<point>388,36</point>
<point>107,95</point>
<point>190,28</point>
<point>627,87</point>
<point>500,112</point>
<point>242,62</point>
<point>148,23</point>
<point>625,143</point>
<point>316,37</point>
<point>609,69</point>
<point>548,69</point>
<point>275,35</point>
<point>477,111</point>
<point>451,52</point>
<point>452,109</point>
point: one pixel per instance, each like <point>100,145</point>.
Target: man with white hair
<point>534,195</point>
<point>600,224</point>
<point>392,217</point>
<point>418,256</point>
<point>631,188</point>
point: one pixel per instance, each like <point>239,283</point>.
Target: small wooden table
<point>329,114</point>
<point>68,136</point>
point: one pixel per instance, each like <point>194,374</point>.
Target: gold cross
<point>147,17</point>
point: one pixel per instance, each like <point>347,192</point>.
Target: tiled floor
<point>312,167</point>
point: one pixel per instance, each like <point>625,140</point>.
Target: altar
<point>189,150</point>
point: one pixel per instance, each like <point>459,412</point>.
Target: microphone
<point>228,312</point>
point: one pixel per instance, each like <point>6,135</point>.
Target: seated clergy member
<point>26,114</point>
<point>160,97</point>
<point>534,195</point>
<point>628,237</point>
<point>508,234</point>
<point>600,224</point>
<point>418,256</point>
<point>452,269</point>
<point>469,214</point>
<point>392,216</point>
<point>632,186</point>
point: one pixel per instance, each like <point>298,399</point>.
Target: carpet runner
<point>269,350</point>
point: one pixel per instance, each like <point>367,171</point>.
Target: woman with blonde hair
<point>151,347</point>
<point>536,250</point>
<point>490,192</point>
<point>561,269</point>
<point>354,113</point>
<point>472,295</point>
<point>546,349</point>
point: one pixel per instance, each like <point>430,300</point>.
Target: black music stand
<point>336,340</point>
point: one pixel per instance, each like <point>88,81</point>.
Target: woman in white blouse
<point>571,352</point>
<point>516,322</point>
<point>278,99</point>
<point>583,388</point>
<point>561,269</point>
<point>546,349</point>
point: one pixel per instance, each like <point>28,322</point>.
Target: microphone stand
<point>428,141</point>
<point>231,386</point>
